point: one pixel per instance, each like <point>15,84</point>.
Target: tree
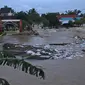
<point>51,17</point>
<point>76,12</point>
<point>70,24</point>
<point>81,15</point>
<point>12,10</point>
<point>34,16</point>
<point>78,22</point>
<point>10,60</point>
<point>45,22</point>
<point>29,17</point>
<point>21,15</point>
<point>6,6</point>
<point>24,24</point>
<point>83,20</point>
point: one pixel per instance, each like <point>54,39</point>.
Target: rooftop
<point>5,10</point>
<point>66,16</point>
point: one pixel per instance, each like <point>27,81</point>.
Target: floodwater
<point>45,37</point>
<point>58,72</point>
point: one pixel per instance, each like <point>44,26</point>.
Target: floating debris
<point>46,52</point>
<point>62,44</point>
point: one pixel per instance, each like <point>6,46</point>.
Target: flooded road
<point>58,72</point>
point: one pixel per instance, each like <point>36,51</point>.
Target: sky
<point>44,6</point>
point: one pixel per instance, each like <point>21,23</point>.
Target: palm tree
<point>10,60</point>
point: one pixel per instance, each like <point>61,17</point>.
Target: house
<point>8,22</point>
<point>6,13</point>
<point>64,19</point>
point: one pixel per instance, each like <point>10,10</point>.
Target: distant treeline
<point>48,19</point>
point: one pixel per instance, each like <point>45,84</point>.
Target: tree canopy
<point>76,12</point>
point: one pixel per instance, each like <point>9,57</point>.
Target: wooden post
<point>20,29</point>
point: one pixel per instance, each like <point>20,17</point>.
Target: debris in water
<point>47,47</point>
<point>62,44</point>
<point>37,52</point>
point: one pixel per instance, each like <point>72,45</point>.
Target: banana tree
<point>12,61</point>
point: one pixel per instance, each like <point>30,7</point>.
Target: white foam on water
<point>38,53</point>
<point>21,46</point>
<point>47,47</point>
<point>30,52</point>
<point>69,57</point>
<point>38,50</point>
<point>44,56</point>
<point>43,52</point>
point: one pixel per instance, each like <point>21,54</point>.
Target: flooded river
<point>58,72</point>
<point>44,38</point>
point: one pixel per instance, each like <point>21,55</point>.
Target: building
<point>64,19</point>
<point>8,22</point>
<point>6,13</point>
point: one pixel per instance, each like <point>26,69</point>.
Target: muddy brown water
<point>44,38</point>
<point>58,72</point>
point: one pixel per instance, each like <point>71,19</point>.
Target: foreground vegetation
<point>2,33</point>
<point>10,60</point>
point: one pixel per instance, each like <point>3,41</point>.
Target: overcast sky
<point>43,6</point>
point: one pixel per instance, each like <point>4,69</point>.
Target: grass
<point>2,33</point>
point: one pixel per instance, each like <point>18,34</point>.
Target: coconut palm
<point>10,60</point>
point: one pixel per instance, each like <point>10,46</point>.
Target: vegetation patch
<point>2,33</point>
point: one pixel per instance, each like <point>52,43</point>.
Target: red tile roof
<point>65,16</point>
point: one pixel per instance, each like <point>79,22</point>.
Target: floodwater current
<point>58,72</point>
